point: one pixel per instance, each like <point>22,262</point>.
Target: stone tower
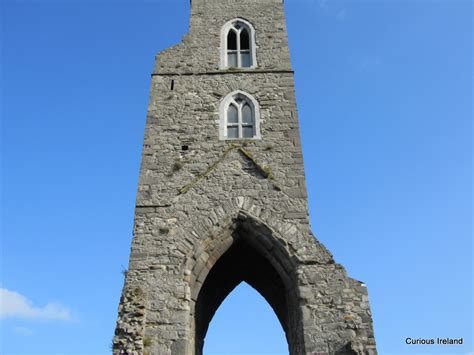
<point>222,196</point>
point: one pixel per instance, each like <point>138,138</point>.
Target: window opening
<point>239,117</point>
<point>238,45</point>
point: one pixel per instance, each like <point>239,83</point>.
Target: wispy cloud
<point>15,305</point>
<point>323,4</point>
<point>342,14</point>
<point>331,8</point>
<point>22,331</point>
<point>366,62</point>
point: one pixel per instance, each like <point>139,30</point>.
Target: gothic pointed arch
<point>246,250</point>
<point>238,47</point>
<point>239,117</point>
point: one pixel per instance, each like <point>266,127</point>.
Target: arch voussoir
<point>229,236</point>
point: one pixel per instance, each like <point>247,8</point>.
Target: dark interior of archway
<point>240,263</point>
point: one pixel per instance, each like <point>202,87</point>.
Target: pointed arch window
<point>239,117</point>
<point>238,45</point>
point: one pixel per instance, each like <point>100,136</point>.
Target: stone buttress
<point>211,212</point>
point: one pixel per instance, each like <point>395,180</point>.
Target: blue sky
<point>384,92</point>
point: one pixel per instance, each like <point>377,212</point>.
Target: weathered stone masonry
<point>212,213</point>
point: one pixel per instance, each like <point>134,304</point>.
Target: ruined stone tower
<point>222,196</point>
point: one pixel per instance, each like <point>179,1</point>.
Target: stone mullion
<point>240,122</point>
<point>239,59</point>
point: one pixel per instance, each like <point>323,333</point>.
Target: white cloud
<point>23,331</point>
<point>323,4</point>
<point>13,304</point>
<point>331,8</point>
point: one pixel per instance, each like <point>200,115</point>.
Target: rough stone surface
<point>223,212</point>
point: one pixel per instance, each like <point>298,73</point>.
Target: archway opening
<point>263,268</point>
<point>243,324</point>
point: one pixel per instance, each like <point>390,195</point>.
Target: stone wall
<point>200,49</point>
<point>199,198</point>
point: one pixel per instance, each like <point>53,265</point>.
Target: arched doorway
<point>252,254</point>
